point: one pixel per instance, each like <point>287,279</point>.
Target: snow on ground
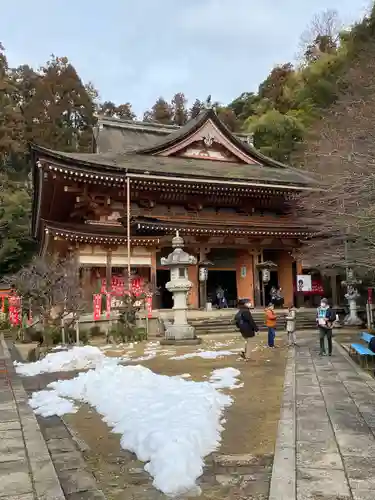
<point>204,355</point>
<point>48,403</point>
<point>77,358</point>
<point>169,422</point>
<point>225,378</point>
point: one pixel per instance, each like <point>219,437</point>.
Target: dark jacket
<point>328,314</point>
<point>245,323</point>
<point>371,344</point>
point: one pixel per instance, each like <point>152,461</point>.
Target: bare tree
<point>51,286</point>
<point>343,159</point>
<point>321,36</point>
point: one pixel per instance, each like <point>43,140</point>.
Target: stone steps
<point>225,325</point>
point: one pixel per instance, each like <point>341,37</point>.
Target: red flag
<point>14,310</point>
<point>97,302</point>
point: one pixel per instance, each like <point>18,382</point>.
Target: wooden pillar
<point>194,292</point>
<point>257,289</point>
<point>245,275</point>
<point>285,273</point>
<point>108,271</point>
<point>86,283</point>
<point>300,298</point>
<point>155,304</point>
<point>334,289</point>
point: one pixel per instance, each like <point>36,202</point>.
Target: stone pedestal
<point>352,318</point>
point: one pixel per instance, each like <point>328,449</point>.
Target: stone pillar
<point>245,275</point>
<point>193,296</point>
<point>285,273</point>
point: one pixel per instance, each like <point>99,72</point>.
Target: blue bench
<point>366,337</point>
<point>361,350</point>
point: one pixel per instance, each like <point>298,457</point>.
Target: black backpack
<point>238,319</point>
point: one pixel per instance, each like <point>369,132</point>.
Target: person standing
<point>325,318</point>
<point>271,324</point>
<point>291,325</point>
<point>247,326</point>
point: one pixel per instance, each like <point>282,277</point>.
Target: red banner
<point>14,310</point>
<point>108,306</point>
<point>118,286</point>
<point>149,306</point>
<point>97,306</point>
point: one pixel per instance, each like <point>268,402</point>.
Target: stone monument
<point>179,331</point>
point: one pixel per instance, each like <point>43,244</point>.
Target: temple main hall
<point>118,208</point>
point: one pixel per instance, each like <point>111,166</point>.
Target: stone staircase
<point>225,324</point>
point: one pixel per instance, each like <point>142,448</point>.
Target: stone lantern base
<point>180,335</point>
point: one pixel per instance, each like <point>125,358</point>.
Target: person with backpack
<point>246,325</point>
<point>271,324</point>
<point>325,317</point>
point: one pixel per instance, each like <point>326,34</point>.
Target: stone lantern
<point>352,294</point>
<point>179,332</point>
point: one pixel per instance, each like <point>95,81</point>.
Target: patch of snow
<point>204,355</point>
<point>145,358</point>
<point>225,378</point>
<point>77,358</point>
<point>48,403</point>
<point>169,422</point>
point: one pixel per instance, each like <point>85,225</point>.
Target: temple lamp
<point>203,266</point>
<point>266,268</point>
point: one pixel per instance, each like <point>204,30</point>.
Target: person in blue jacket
<point>325,317</point>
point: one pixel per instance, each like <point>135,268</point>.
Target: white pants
<point>292,339</point>
<point>248,347</point>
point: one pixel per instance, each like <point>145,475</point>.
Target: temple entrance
<point>165,297</point>
<point>274,282</point>
<point>227,281</point>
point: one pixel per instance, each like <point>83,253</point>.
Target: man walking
<point>247,326</point>
<point>325,318</point>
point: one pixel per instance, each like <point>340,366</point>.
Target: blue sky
<point>138,50</point>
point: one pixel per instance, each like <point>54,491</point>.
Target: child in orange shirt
<point>271,324</point>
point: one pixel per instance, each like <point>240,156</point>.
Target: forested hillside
<point>51,106</point>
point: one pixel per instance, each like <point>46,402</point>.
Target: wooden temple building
<point>120,206</point>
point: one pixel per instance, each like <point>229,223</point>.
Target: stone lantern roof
<point>178,258</point>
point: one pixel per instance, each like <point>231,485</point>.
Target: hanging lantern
<point>266,275</point>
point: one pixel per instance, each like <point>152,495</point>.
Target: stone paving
<point>326,438</point>
<point>26,469</point>
<point>40,458</point>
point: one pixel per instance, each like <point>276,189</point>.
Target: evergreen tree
<point>161,112</point>
<point>196,108</point>
<point>180,113</point>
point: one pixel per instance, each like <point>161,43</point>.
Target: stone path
<point>326,438</point>
<point>26,469</point>
<point>62,449</point>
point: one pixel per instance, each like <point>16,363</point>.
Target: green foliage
<point>16,244</point>
<point>275,134</point>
